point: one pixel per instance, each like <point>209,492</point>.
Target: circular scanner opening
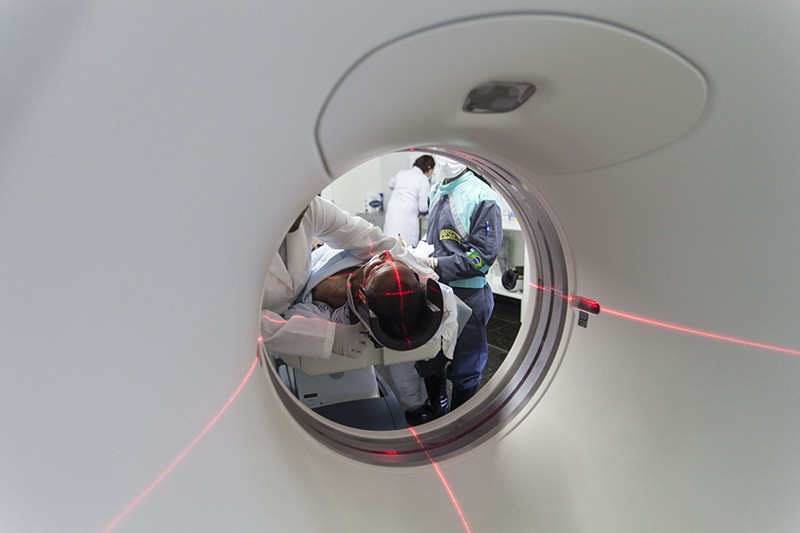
<point>358,412</point>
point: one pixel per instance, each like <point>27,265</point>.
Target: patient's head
<point>393,293</point>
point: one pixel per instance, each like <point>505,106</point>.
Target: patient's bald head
<point>394,293</point>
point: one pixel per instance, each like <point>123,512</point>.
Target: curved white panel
<point>603,94</point>
<point>152,155</point>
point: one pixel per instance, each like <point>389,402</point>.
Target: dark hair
<point>425,163</point>
<point>398,313</point>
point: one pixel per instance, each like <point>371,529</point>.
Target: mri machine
<point>152,156</point>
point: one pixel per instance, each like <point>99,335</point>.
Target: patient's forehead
<point>387,278</point>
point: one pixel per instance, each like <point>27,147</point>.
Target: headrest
<point>423,331</point>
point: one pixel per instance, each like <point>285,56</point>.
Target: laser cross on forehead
<point>400,315</point>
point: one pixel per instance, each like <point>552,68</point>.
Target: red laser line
<point>552,290</point>
<point>444,481</point>
<point>152,486</point>
<point>275,320</point>
<point>697,332</point>
<point>675,327</point>
<point>400,291</point>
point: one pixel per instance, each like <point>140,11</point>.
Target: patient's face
<point>333,290</point>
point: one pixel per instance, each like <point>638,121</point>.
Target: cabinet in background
<point>513,253</point>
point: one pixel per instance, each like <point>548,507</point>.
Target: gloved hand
<point>430,262</point>
<point>350,340</point>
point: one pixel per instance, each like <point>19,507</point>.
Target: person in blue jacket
<point>465,229</point>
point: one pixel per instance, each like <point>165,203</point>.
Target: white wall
<point>371,177</point>
<point>348,191</point>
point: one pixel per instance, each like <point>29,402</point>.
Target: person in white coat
<point>289,273</point>
<point>409,200</point>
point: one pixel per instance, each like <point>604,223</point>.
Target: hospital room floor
<point>502,332</point>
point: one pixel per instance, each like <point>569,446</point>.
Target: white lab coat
<point>409,199</point>
<point>312,337</point>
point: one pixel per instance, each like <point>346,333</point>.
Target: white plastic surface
<point>588,75</point>
<point>369,357</point>
<point>152,156</point>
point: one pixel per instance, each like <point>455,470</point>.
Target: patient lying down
<point>384,293</point>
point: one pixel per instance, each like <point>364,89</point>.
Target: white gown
<point>285,281</point>
<point>403,377</point>
<point>409,199</point>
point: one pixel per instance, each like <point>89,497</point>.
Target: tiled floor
<point>502,331</point>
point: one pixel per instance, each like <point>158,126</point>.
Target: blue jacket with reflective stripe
<point>465,229</point>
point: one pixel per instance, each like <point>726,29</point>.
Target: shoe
<point>427,412</point>
<point>435,407</point>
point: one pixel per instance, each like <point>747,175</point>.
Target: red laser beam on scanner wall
<point>691,331</point>
<point>152,486</point>
<point>673,327</point>
<point>553,291</point>
<point>444,482</point>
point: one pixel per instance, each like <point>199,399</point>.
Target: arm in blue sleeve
<point>480,248</point>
